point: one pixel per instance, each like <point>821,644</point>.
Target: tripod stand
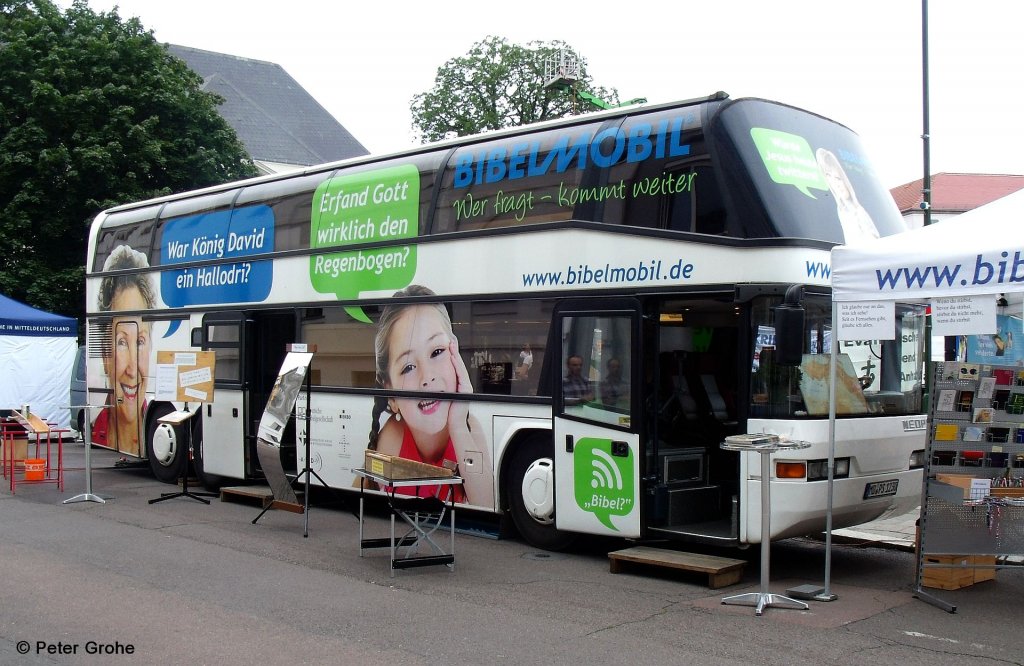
<point>172,420</point>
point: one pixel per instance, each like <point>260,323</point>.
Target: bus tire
<point>166,447</point>
<point>529,487</point>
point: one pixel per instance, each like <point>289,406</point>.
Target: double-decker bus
<point>574,313</point>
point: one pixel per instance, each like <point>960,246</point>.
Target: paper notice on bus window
<point>866,320</point>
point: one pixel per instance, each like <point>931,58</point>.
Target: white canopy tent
<point>980,252</point>
<point>37,352</point>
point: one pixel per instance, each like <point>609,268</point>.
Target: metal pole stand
<point>765,445</point>
<point>88,495</point>
<point>178,419</point>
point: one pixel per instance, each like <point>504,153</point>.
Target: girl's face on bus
<point>420,360</point>
<point>131,355</point>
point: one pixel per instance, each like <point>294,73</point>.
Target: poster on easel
<point>185,376</point>
<point>281,402</point>
<point>278,411</point>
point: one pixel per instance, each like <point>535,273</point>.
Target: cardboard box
<point>393,467</point>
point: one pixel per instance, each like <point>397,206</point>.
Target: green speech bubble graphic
<point>789,159</point>
<point>374,206</point>
<point>603,483</point>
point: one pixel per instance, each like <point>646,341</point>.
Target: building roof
<point>957,192</point>
<point>276,119</point>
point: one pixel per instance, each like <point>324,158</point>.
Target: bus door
<point>223,451</point>
<point>266,339</point>
<point>596,424</point>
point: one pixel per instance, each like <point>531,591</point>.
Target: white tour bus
<point>574,313</point>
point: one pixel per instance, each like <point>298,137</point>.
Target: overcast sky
<point>857,63</point>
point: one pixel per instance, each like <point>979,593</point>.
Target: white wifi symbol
<point>606,472</point>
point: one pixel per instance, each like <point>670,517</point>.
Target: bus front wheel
<point>530,489</point>
<point>166,447</point>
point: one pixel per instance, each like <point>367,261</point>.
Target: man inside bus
<point>614,389</point>
<point>575,388</point>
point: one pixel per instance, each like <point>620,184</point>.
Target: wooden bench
<point>721,571</point>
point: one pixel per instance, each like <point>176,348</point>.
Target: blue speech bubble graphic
<point>244,232</point>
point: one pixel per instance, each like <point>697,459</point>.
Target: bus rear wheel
<point>166,447</point>
<point>530,489</point>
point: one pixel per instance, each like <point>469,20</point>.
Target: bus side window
<point>697,204</point>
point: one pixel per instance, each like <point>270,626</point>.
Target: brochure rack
<point>974,472</point>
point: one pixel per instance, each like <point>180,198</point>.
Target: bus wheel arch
<point>528,489</point>
<point>166,445</point>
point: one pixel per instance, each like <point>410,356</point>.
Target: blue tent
<point>20,319</point>
<point>37,354</point>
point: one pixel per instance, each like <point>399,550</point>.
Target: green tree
<point>94,112</point>
<point>496,85</point>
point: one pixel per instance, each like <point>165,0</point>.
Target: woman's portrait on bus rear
<point>126,357</point>
<point>855,220</point>
<point>416,350</point>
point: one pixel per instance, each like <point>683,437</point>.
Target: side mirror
<point>789,329</point>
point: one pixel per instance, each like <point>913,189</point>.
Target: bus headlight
<point>817,470</point>
<point>917,459</point>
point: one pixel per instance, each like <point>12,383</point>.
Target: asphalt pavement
<point>127,581</point>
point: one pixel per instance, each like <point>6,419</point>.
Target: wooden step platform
<point>721,571</point>
<point>260,495</point>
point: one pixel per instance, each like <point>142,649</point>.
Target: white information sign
<point>964,315</point>
<point>866,320</point>
<point>166,388</point>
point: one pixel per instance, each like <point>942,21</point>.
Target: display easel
<point>307,472</point>
<point>178,419</point>
<point>184,376</point>
<point>88,495</point>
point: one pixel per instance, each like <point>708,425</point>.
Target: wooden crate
<point>393,467</point>
<point>962,481</point>
<point>954,578</point>
<point>983,574</point>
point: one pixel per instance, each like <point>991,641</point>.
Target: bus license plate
<point>881,488</point>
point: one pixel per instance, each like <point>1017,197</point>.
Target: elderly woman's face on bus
<point>131,355</point>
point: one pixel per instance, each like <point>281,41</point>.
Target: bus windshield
<point>876,377</point>
<point>808,172</point>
